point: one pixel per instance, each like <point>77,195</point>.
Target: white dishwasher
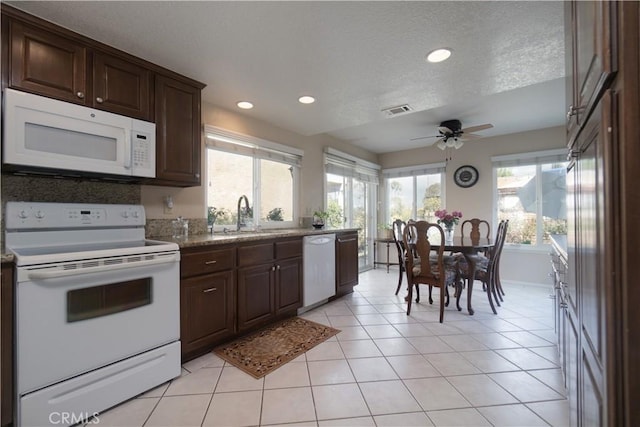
<point>319,265</point>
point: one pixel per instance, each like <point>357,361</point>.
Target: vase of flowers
<point>448,220</point>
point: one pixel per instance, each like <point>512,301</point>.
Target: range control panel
<point>25,215</point>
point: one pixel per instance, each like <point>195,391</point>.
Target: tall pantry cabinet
<point>603,139</point>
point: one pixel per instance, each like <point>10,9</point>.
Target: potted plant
<point>385,231</point>
<point>275,214</point>
<point>213,214</point>
<point>319,218</point>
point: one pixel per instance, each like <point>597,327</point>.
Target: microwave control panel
<point>141,148</point>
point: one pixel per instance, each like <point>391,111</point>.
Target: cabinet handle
<point>197,175</point>
<point>80,95</point>
<point>573,111</point>
<point>209,290</point>
<point>210,262</point>
<point>347,240</point>
<point>273,268</point>
<point>99,100</point>
<point>278,267</point>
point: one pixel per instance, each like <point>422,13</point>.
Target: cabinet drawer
<point>194,264</point>
<point>289,249</point>
<point>255,254</point>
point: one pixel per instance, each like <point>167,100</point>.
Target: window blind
<point>533,158</point>
<point>343,164</point>
<point>418,170</point>
<point>232,142</point>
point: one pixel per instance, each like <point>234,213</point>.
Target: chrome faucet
<point>241,213</point>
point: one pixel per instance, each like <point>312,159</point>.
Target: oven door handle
<point>100,269</point>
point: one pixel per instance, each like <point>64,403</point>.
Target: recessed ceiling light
<point>307,99</point>
<point>438,55</point>
<point>245,105</point>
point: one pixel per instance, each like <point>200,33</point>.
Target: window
<point>351,188</point>
<point>531,194</point>
<point>414,192</point>
<point>266,172</point>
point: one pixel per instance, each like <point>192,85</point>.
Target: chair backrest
<point>476,224</point>
<point>416,241</point>
<point>397,227</point>
<point>496,251</point>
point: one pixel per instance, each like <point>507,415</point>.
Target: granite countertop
<point>220,238</point>
<point>6,256</point>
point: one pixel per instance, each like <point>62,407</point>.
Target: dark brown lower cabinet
<point>346,262</point>
<point>206,310</point>
<point>256,292</point>
<point>271,289</point>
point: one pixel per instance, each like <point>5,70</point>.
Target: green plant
<point>275,214</point>
<point>320,215</point>
<point>384,227</point>
<point>214,213</point>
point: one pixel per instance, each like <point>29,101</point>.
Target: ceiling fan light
<point>457,144</point>
<point>450,143</point>
<point>441,145</point>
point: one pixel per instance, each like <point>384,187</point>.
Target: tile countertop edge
<point>221,238</point>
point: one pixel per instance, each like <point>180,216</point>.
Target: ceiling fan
<point>452,135</point>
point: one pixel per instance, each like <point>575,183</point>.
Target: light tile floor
<point>384,369</point>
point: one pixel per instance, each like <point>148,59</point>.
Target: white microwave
<point>51,135</point>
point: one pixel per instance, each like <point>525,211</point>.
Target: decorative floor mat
<point>267,349</point>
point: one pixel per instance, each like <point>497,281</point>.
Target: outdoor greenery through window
<point>531,194</point>
<point>414,193</point>
<point>351,188</point>
<point>237,165</point>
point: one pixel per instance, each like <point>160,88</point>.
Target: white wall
<point>191,202</point>
<point>477,201</point>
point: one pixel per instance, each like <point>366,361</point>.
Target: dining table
<point>468,248</point>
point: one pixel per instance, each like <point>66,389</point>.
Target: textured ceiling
<point>356,58</point>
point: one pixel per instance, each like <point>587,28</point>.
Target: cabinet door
<point>206,310</point>
<point>592,45</point>
<point>346,263</point>
<point>47,64</point>
<point>288,285</point>
<point>121,87</point>
<point>256,295</point>
<point>178,133</point>
<point>6,337</point>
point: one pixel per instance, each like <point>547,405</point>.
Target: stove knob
<point>125,214</point>
<point>136,214</point>
<point>39,215</point>
<point>23,214</point>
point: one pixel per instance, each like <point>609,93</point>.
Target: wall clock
<point>466,176</point>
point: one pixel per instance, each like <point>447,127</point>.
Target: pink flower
<point>448,219</point>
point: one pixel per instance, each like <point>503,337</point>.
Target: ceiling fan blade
<point>477,128</point>
<point>425,137</point>
<point>470,136</point>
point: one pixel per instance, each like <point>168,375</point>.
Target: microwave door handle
<point>127,151</point>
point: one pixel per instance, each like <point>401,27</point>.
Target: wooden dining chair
<point>398,228</point>
<point>475,227</point>
<point>425,268</point>
<point>486,269</point>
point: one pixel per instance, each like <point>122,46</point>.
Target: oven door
<point>73,320</point>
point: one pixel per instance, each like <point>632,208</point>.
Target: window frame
<point>414,172</point>
<point>537,158</point>
<point>219,139</point>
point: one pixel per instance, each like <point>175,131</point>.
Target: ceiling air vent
<point>400,109</point>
